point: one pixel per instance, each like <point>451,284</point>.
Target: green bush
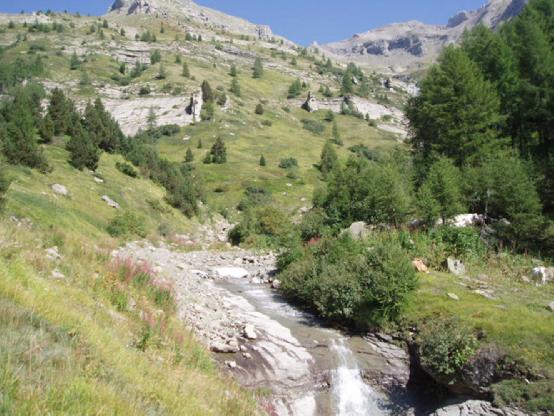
<point>4,183</point>
<point>126,169</point>
<point>127,224</point>
<point>254,196</point>
<point>445,347</point>
<point>264,226</point>
<point>316,127</point>
<point>288,163</point>
<point>343,281</point>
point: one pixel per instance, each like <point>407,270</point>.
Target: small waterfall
<point>351,395</point>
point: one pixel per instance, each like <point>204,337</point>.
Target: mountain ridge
<point>408,46</point>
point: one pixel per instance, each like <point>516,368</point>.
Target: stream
<point>305,367</point>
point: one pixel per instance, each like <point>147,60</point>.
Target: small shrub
<point>126,169</point>
<point>288,163</point>
<point>313,126</point>
<point>127,224</point>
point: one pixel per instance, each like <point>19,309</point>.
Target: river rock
<point>543,275</point>
<point>111,203</point>
<point>453,296</point>
<point>551,307</point>
<point>276,284</point>
<point>231,272</point>
<point>455,266</point>
<point>475,408</point>
<point>53,253</point>
<point>231,364</point>
<point>221,347</point>
<point>60,189</point>
<point>249,332</point>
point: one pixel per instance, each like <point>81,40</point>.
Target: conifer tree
<point>189,157</point>
<point>295,89</point>
<point>235,87</point>
<point>4,182</point>
<point>46,129</point>
<point>233,71</point>
<point>207,92</point>
<point>74,63</point>
<point>185,72</point>
<point>336,138</point>
<point>259,109</point>
<point>329,160</point>
<point>262,160</point>
<point>177,59</point>
<point>151,119</point>
<point>199,145</point>
<point>457,113</point>
<point>347,86</point>
<point>258,70</point>
<point>83,151</point>
<point>218,152</point>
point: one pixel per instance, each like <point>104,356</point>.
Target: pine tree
<point>155,57</point>
<point>336,138</point>
<point>207,92</point>
<point>347,86</point>
<point>20,144</point>
<point>329,160</point>
<point>199,145</point>
<point>83,151</point>
<point>233,71</point>
<point>4,182</point>
<point>189,157</point>
<point>122,68</point>
<point>262,160</point>
<point>442,185</point>
<point>151,119</point>
<point>457,113</point>
<point>219,152</point>
<point>235,87</point>
<point>177,59</point>
<point>46,128</point>
<point>186,72</point>
<point>258,70</point>
<point>74,63</point>
<point>161,73</point>
<point>295,89</point>
<point>208,111</point>
<point>259,109</point>
<point>58,110</point>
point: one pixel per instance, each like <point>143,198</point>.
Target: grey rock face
<point>543,275</point>
<point>407,45</point>
<point>475,408</point>
<point>195,107</point>
<point>455,266</point>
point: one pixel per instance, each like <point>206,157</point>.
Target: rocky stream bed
<point>229,300</point>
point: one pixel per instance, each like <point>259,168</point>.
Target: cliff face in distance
<point>188,10</point>
<point>407,47</point>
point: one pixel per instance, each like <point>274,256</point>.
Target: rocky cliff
<point>187,9</point>
<point>408,46</point>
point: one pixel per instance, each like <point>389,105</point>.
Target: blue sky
<point>302,21</point>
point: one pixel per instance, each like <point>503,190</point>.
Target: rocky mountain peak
<point>402,47</point>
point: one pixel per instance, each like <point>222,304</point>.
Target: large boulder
<point>455,266</point>
<point>358,230</point>
<point>60,189</point>
<point>543,275</point>
<point>311,103</point>
<point>111,203</point>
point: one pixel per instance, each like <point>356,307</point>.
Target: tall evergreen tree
<point>457,113</point>
<point>329,160</point>
<point>262,161</point>
<point>189,157</point>
<point>4,182</point>
<point>233,71</point>
<point>258,70</point>
<point>219,152</point>
<point>185,71</point>
<point>441,193</point>
<point>83,151</point>
<point>207,92</point>
<point>235,87</point>
<point>46,128</point>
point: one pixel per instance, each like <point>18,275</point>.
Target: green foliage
<point>208,111</point>
<point>264,226</point>
<point>445,347</point>
<point>259,110</point>
<point>314,126</point>
<point>155,57</point>
<point>335,135</point>
<point>314,225</point>
<point>75,62</point>
<point>189,156</point>
<point>4,183</point>
<point>127,224</point>
<point>83,151</point>
<point>443,122</point>
<point>262,161</point>
<point>46,128</point>
<point>344,281</point>
<point>329,160</point>
<point>233,71</point>
<point>373,192</point>
<point>347,86</point>
<point>207,92</point>
<point>126,169</point>
<point>18,139</point>
<point>217,154</point>
<point>102,128</point>
<point>235,87</point>
<point>162,74</point>
<point>440,196</point>
<point>258,69</point>
<point>185,71</point>
<point>295,89</point>
<point>288,163</point>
